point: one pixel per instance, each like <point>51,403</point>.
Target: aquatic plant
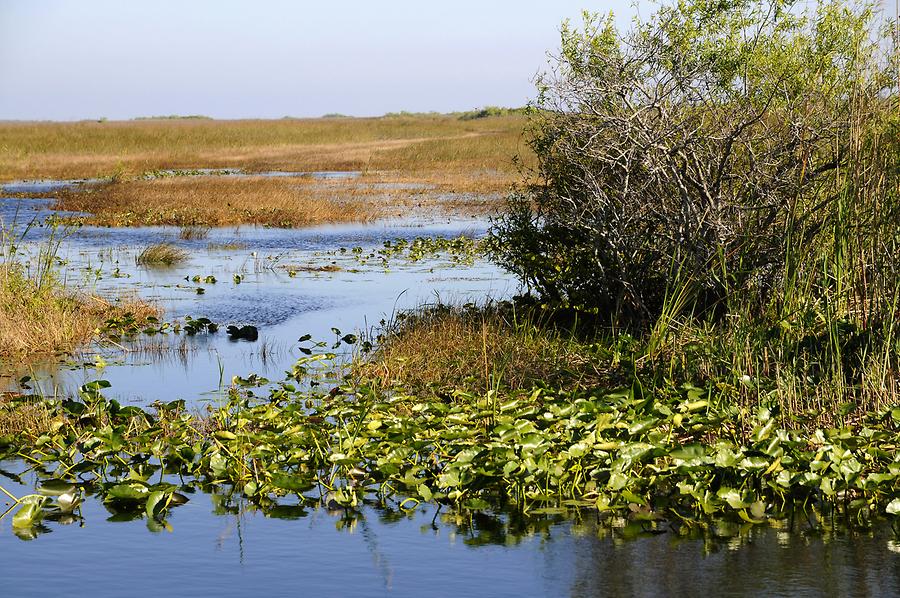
<point>161,254</point>
<point>193,233</point>
<point>463,250</point>
<point>40,315</point>
<point>676,456</point>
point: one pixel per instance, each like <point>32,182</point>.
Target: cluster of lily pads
<point>459,250</point>
<point>174,173</point>
<point>688,457</point>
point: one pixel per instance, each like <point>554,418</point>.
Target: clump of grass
<point>161,254</point>
<point>217,201</point>
<point>229,246</point>
<point>448,348</point>
<point>24,417</point>
<point>45,318</point>
<point>193,233</point>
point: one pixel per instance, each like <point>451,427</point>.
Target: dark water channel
<point>217,546</point>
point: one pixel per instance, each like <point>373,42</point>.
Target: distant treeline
<point>175,117</point>
<point>466,115</point>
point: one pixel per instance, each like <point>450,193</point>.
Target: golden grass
<point>31,417</point>
<point>161,254</point>
<point>193,233</point>
<point>48,320</point>
<point>447,349</point>
<point>407,144</point>
<point>411,165</point>
<point>212,201</point>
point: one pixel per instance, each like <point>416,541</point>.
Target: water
<point>219,547</point>
<point>354,299</point>
<point>216,547</point>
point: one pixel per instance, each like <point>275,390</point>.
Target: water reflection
<point>218,543</point>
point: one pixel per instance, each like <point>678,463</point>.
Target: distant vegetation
<point>415,146</point>
<point>485,112</point>
<point>489,111</point>
<point>175,117</point>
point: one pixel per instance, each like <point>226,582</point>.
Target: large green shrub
<point>713,146</point>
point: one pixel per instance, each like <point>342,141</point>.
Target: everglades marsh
<point>637,338</point>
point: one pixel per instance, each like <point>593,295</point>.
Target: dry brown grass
<point>407,144</point>
<point>411,165</point>
<point>448,349</point>
<point>203,201</point>
<point>31,417</point>
<point>212,201</point>
<point>48,320</point>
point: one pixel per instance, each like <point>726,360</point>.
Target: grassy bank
<point>807,373</point>
<point>39,317</point>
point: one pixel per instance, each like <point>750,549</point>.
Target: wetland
<point>639,338</point>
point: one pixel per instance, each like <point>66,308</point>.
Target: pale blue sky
<point>74,59</point>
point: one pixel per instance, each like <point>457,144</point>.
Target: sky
<point>80,59</point>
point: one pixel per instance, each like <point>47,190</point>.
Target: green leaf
<point>30,514</point>
<point>157,503</point>
<point>128,492</point>
<point>294,483</point>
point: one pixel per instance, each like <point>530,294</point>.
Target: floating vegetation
<point>165,174</point>
<point>195,326</point>
<point>161,254</point>
<point>129,325</point>
<point>294,269</point>
<point>230,246</point>
<point>210,279</point>
<point>463,250</point>
<point>681,457</point>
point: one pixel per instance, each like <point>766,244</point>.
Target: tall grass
<point>161,254</point>
<point>39,316</point>
<point>90,149</point>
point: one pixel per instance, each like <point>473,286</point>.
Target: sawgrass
<point>404,143</point>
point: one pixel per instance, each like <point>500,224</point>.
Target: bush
<point>720,146</point>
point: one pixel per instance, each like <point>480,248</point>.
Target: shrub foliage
<point>720,145</point>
